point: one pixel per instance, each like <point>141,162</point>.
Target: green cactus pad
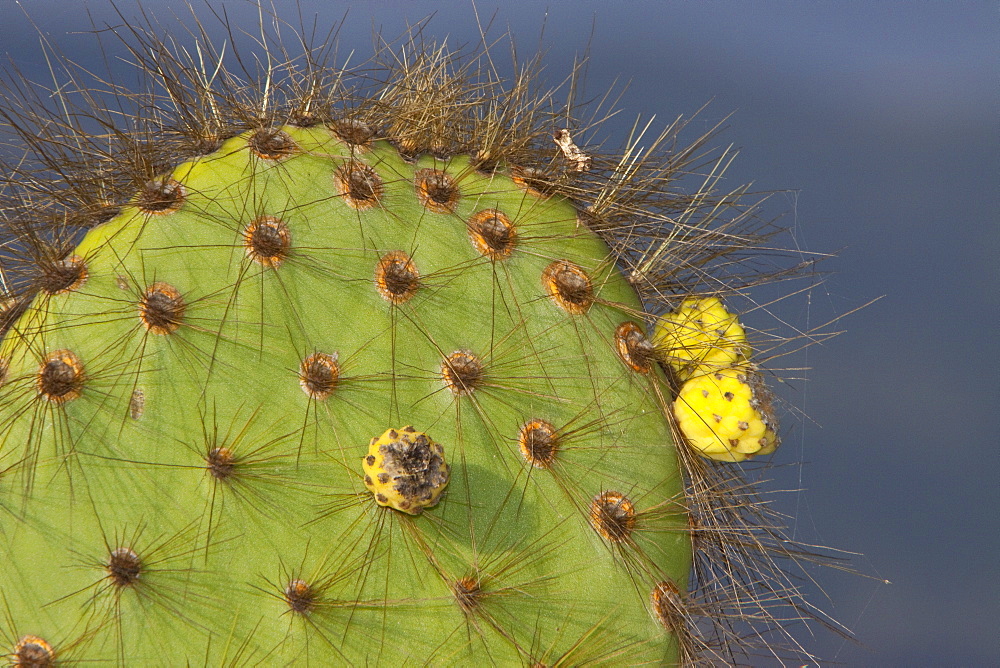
<point>186,414</point>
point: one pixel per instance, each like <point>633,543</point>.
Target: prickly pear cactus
<point>293,380</point>
<point>272,351</point>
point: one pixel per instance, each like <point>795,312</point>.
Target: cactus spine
<point>294,373</point>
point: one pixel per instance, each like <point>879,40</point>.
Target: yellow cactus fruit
<point>699,337</point>
<point>405,470</point>
<point>726,415</point>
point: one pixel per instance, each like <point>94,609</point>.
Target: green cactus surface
<point>196,402</point>
<point>312,366</point>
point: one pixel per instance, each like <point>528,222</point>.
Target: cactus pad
<point>295,296</point>
<point>322,369</point>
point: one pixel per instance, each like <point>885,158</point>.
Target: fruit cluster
<point>722,408</point>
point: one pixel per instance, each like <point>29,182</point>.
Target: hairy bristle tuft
<point>463,372</point>
<point>360,185</point>
<point>319,374</point>
<point>538,442</point>
<point>613,516</point>
<point>162,308</point>
<point>300,597</point>
<point>569,286</point>
<point>60,377</point>
<point>396,277</point>
<point>269,144</point>
<point>493,234</point>
<point>64,275</point>
<point>124,567</point>
<point>267,240</point>
<point>161,197</point>
<point>32,652</point>
<point>436,190</point>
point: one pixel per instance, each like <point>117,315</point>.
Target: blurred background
<point>877,126</point>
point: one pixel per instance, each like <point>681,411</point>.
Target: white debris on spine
<point>580,160</point>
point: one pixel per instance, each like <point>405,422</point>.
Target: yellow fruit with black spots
<point>405,470</point>
<point>726,415</point>
<point>700,336</point>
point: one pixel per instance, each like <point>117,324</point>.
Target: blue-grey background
<point>879,124</point>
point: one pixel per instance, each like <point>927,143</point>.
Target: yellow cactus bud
<point>405,470</point>
<point>700,337</point>
<point>726,415</point>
